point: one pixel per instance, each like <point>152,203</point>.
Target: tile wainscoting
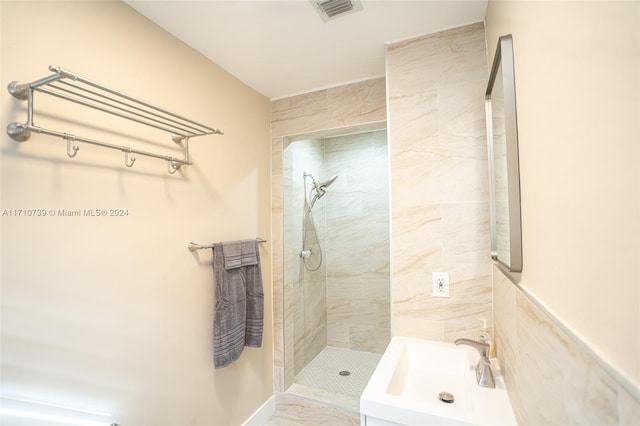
<point>552,377</point>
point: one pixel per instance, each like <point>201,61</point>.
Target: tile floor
<point>323,371</point>
<point>321,395</point>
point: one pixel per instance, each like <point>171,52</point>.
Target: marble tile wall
<point>345,302</point>
<point>439,190</point>
<point>296,410</point>
<point>551,378</point>
<point>357,104</point>
<point>309,325</point>
<point>440,222</point>
<point>357,255</point>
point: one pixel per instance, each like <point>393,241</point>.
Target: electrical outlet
<point>440,284</point>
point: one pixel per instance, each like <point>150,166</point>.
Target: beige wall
<point>567,342</point>
<point>113,314</point>
<point>577,87</point>
<point>439,191</point>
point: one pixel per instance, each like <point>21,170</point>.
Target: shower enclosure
<point>336,259</point>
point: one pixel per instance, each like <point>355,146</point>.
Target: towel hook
<point>126,158</point>
<point>173,167</point>
<point>70,138</point>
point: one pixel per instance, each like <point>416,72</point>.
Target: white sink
<point>404,389</point>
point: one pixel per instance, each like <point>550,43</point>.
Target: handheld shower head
<point>324,185</point>
<point>320,187</point>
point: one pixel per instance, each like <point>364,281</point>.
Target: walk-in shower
<point>312,260</point>
<point>337,293</point>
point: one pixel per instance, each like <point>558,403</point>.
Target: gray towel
<point>239,253</point>
<point>238,318</point>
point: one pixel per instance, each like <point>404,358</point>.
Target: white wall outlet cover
<point>440,284</point>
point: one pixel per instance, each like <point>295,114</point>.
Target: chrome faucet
<point>484,374</point>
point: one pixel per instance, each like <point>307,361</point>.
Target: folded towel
<point>239,253</point>
<point>238,318</point>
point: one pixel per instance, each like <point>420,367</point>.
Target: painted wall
<point>578,96</point>
<point>566,341</point>
<point>113,314</point>
<point>439,191</point>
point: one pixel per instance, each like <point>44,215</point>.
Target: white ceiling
<point>282,47</point>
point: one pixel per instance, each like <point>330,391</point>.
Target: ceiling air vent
<point>329,9</point>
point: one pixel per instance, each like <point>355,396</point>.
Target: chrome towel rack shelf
<point>71,87</point>
<point>193,246</point>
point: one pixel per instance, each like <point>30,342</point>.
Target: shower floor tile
<point>323,371</point>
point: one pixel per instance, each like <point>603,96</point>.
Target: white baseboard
<point>262,414</point>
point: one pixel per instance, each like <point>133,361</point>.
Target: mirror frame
<point>503,63</point>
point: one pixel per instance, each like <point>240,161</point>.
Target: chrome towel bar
<point>193,246</point>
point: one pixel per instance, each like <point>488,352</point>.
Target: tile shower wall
<point>345,303</point>
<point>438,174</point>
<point>309,288</point>
<point>440,209</point>
<point>344,106</point>
<point>357,242</point>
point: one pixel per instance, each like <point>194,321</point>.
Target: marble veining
<point>545,367</point>
<point>353,108</point>
<point>440,211</point>
<point>437,158</point>
<point>296,410</point>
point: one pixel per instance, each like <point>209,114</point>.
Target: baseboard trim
<point>262,414</point>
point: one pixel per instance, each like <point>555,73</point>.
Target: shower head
<point>320,187</point>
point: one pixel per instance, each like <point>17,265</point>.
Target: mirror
<point>504,169</point>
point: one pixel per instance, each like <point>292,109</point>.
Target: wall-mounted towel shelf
<point>193,246</point>
<point>66,85</point>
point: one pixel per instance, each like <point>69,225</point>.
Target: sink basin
<point>405,388</point>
